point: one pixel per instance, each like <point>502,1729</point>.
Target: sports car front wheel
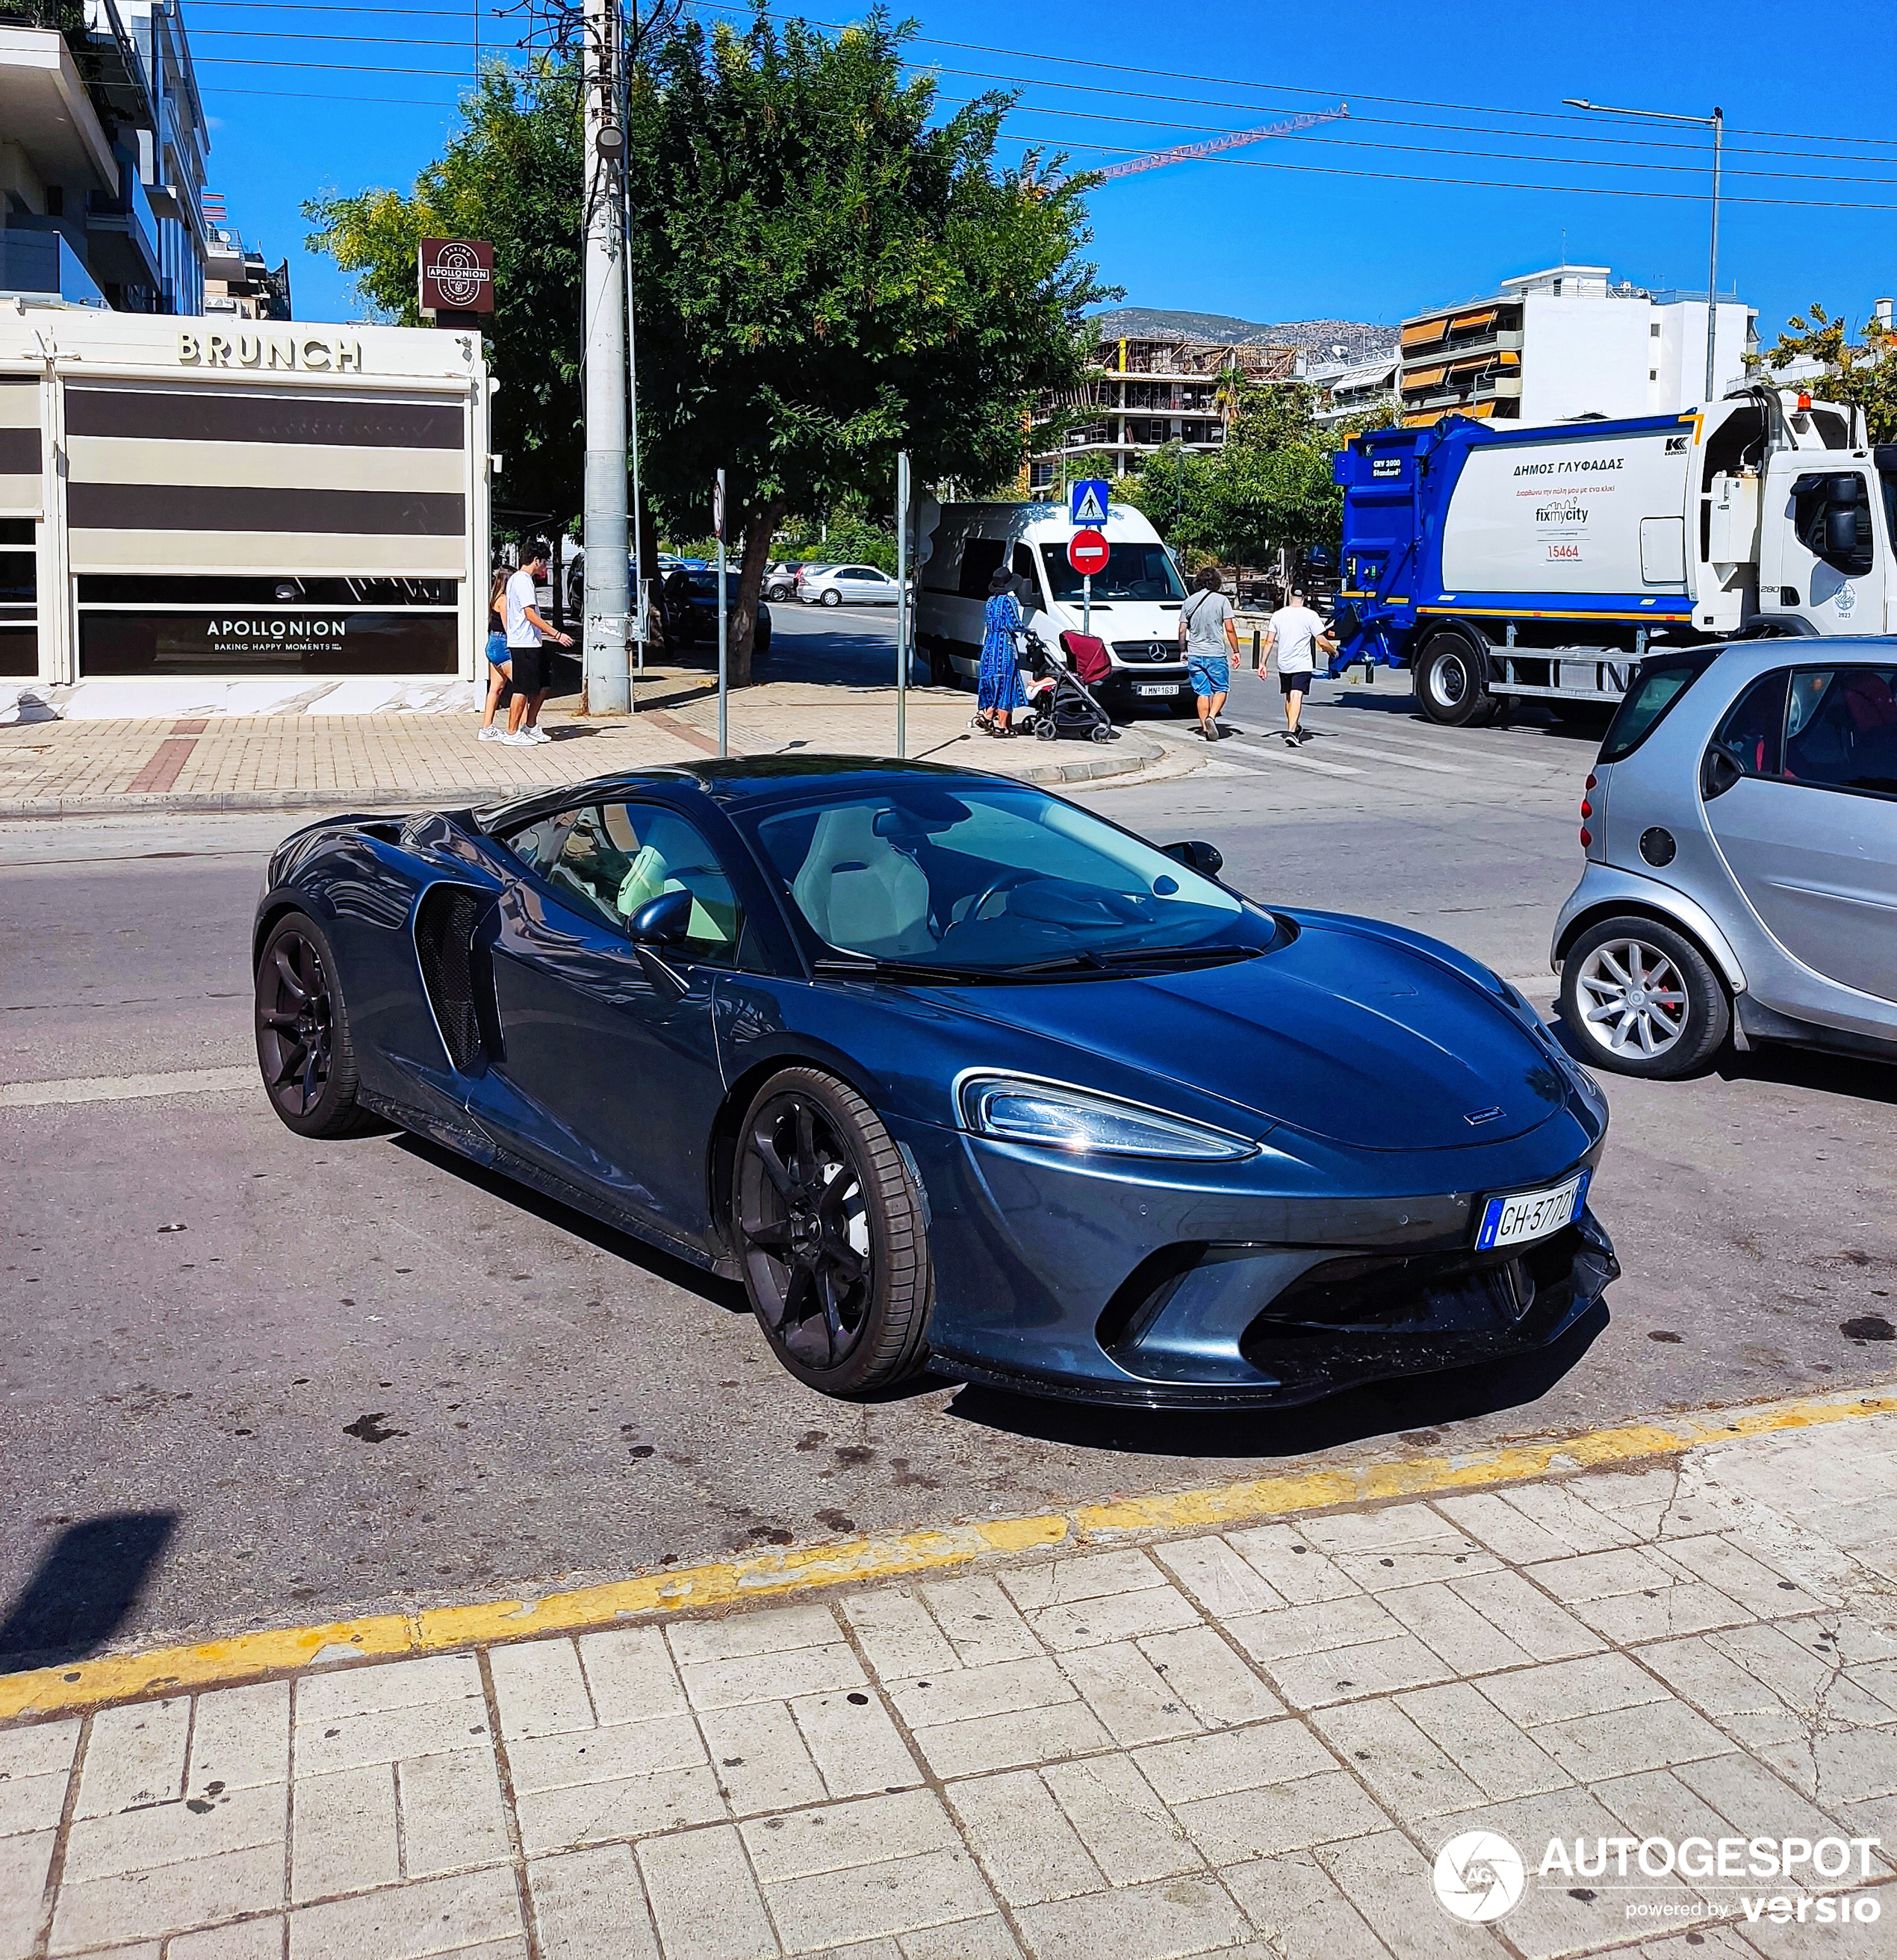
<point>829,1225</point>
<point>303,1047</point>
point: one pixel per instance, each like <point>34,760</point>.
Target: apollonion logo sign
<point>457,275</point>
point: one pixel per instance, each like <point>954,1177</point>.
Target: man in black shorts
<point>526,631</point>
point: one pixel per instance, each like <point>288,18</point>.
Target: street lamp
<point>1717,123</point>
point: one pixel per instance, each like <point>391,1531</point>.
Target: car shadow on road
<point>1862,1078</point>
<point>84,1589</point>
<point>1414,1409</point>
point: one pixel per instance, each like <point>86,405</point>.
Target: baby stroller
<point>1060,691</point>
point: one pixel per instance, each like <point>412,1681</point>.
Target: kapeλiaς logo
<point>1479,1875</point>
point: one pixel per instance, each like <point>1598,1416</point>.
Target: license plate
<point>1170,688</point>
<point>1526,1215</point>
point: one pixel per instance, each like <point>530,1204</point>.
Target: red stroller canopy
<point>1086,656</point>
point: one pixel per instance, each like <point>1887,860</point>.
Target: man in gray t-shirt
<point>1209,640</point>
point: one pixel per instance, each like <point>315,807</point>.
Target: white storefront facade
<point>203,515</point>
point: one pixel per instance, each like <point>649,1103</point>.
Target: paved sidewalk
<point>283,761</point>
<point>1252,1742</point>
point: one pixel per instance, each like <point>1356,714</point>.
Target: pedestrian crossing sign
<point>1087,501</point>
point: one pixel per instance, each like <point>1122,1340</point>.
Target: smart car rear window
<point>1658,685</point>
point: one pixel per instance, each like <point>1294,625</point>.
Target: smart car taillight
<point>1586,837</point>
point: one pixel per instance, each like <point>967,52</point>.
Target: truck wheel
<point>1450,685</point>
<point>1642,1000</point>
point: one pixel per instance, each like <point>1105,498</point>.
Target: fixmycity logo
<point>1479,1875</point>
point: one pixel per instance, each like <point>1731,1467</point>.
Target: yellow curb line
<point>247,1656</point>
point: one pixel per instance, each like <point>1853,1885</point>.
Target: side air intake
<point>444,942</point>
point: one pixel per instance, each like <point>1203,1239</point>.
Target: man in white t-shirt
<point>526,630</point>
<point>1297,635</point>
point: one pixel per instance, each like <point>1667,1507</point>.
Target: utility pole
<point>902,603</point>
<point>602,334</point>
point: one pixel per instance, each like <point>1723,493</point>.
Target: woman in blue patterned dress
<point>999,691</point>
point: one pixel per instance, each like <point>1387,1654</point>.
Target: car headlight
<point>1018,1110</point>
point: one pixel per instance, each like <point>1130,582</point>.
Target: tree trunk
<point>760,526</point>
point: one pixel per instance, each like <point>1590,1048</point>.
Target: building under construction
<point>1139,395</point>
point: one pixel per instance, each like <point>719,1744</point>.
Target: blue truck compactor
<point>1498,562</point>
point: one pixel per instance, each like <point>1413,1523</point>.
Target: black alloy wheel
<point>830,1228</point>
<point>304,1048</point>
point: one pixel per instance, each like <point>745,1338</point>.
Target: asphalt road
<point>249,1380</point>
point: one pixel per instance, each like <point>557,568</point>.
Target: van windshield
<point>1133,571</point>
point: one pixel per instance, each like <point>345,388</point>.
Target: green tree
<point>511,174</point>
<point>1861,374</point>
<point>825,274</point>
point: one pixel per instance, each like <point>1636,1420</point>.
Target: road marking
<point>1475,750</point>
<point>1402,761</point>
<point>165,1671</point>
<point>1272,746</point>
<point>127,1088</point>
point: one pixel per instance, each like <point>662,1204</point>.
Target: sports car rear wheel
<point>830,1229</point>
<point>303,1047</point>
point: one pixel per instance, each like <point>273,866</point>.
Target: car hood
<point>1342,1034</point>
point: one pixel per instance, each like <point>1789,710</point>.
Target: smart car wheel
<point>831,597</point>
<point>1449,682</point>
<point>304,1048</point>
<point>1643,999</point>
<point>830,1229</point>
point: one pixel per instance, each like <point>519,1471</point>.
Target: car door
<point>1808,824</point>
<point>609,1069</point>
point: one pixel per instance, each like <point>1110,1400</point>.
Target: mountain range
<point>1361,339</point>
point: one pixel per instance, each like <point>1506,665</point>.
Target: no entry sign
<point>1087,552</point>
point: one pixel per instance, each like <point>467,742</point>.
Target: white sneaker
<point>518,738</point>
<point>537,734</point>
<point>492,734</point>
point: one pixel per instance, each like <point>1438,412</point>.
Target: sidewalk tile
<point>855,1744</point>
<point>1452,1630</point>
<point>630,1806</point>
<point>173,1833</point>
<point>966,1939</point>
<point>969,1692</point>
<point>1120,1819</point>
<point>1026,1845</point>
<point>30,1803</point>
<point>1281,1817</point>
<point>1124,1689</point>
<point>343,1834</point>
<point>1702,1671</point>
<point>1752,1798</point>
<point>1499,1759</point>
<point>248,1939</point>
<point>1289,1567</point>
<point>1633,1594</point>
<point>240,1738</point>
<point>599,1755</point>
<point>980,1621</point>
<point>174,1898</point>
<point>1173,1917</point>
<point>1398,1544</point>
<point>1211,1680</point>
<point>1412,1777</point>
<point>1210,1765</point>
<point>1761,1588</point>
<point>1524,1615</point>
<point>1098,1575</point>
<point>135,1755</point>
<point>1487,1516</point>
<point>1561,1510</point>
<point>540,1688</point>
<point>589,1905</point>
<point>1124,1616</point>
<point>893,1627</point>
<point>451,1812</point>
<point>1389,1882</point>
<point>1836,1769</point>
<point>1345,1673</point>
<point>704,1897</point>
<point>407,1922</point>
<point>772,1676</point>
<point>388,1735</point>
<point>893,1896</point>
<point>24,1863</point>
<point>630,1672</point>
<point>1296,1904</point>
<point>45,1748</point>
<point>832,1838</point>
<point>761,1760</point>
<point>774,1629</point>
<point>1322,1627</point>
<point>1007,1741</point>
<point>1561,1689</point>
<point>432,1681</point>
<point>1591,1747</point>
<point>1218,1578</point>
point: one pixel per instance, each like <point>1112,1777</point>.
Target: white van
<point>1136,600</point>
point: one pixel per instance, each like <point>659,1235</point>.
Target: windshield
<point>1656,685</point>
<point>987,880</point>
<point>1133,571</point>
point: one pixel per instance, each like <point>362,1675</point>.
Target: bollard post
<point>1256,639</point>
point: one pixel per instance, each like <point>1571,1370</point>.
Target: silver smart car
<point>1741,832</point>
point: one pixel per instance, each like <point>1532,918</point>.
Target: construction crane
<point>1188,152</point>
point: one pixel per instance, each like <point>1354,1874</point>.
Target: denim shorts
<point>1210,675</point>
<point>498,649</point>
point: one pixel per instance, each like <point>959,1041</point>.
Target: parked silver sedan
<point>847,585</point>
<point>1740,826</point>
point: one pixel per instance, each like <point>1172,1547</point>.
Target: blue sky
<point>1341,221</point>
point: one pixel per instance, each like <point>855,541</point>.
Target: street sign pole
<point>1086,603</point>
<point>718,524</point>
<point>902,603</point>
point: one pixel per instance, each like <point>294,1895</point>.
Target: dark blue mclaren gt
<point>950,1072</point>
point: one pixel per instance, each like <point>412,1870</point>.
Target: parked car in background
<point>698,619</point>
<point>846,584</point>
<point>781,579</point>
<point>1741,832</point>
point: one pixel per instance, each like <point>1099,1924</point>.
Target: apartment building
<point>1355,395</point>
<point>1567,342</point>
<point>102,144</point>
<point>1139,395</point>
<point>239,282</point>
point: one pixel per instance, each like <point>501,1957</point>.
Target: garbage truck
<point>1500,564</point>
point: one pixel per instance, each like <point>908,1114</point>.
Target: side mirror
<point>1717,774</point>
<point>1841,530</point>
<point>665,920</point>
<point>1206,859</point>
